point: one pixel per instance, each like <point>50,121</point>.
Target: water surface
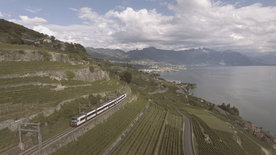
<point>252,89</point>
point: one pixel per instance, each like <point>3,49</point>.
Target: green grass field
<point>20,67</point>
<point>220,142</point>
<point>212,121</point>
<point>172,138</point>
<point>26,100</point>
<point>143,139</point>
<point>38,79</point>
<point>249,146</point>
<point>8,138</point>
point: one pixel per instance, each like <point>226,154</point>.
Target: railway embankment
<point>81,130</point>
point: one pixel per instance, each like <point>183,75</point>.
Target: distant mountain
<point>107,54</point>
<point>268,58</point>
<point>202,56</point>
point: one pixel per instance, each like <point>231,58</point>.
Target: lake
<point>252,89</point>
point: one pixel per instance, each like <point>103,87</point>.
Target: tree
<point>92,99</point>
<point>53,38</point>
<point>222,106</point>
<point>228,106</point>
<point>211,107</point>
<point>232,110</point>
<point>70,75</point>
<point>126,76</point>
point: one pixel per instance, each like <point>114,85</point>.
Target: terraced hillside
<point>46,86</point>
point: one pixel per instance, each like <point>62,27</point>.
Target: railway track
<point>69,131</point>
<point>49,141</point>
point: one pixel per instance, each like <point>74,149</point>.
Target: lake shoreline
<point>195,75</point>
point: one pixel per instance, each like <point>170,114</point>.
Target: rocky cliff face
<point>83,74</point>
<point>36,55</point>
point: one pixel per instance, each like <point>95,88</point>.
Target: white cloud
<point>32,10</point>
<point>74,9</point>
<point>86,13</point>
<point>1,15</point>
<point>236,36</point>
<point>194,23</point>
<point>43,29</point>
<point>25,20</point>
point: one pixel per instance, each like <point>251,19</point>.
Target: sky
<point>240,25</point>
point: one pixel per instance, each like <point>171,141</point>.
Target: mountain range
<point>198,57</point>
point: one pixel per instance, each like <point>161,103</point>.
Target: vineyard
<point>209,118</point>
<point>173,134</point>
<point>97,140</point>
<point>249,146</point>
<point>143,139</point>
<point>219,142</point>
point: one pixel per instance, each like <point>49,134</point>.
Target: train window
<point>102,108</point>
<point>91,114</point>
<point>74,120</point>
<point>82,118</point>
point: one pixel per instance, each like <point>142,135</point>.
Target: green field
<point>172,138</point>
<point>220,142</point>
<point>144,137</point>
<point>212,121</point>
<point>30,99</point>
<point>20,67</point>
<point>38,79</point>
<point>249,146</point>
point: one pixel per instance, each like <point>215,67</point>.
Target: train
<point>84,117</point>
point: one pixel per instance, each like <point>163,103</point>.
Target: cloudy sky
<point>243,25</point>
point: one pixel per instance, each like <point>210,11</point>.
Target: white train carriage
<point>78,120</point>
<point>82,118</point>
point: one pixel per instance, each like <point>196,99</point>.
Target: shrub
<point>70,74</point>
<point>21,52</point>
<point>93,100</point>
<point>46,55</point>
<point>126,76</point>
<point>91,68</point>
<point>232,110</point>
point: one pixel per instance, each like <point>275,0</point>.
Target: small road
<point>188,138</point>
<point>188,134</point>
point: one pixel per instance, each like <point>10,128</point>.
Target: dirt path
<point>58,86</point>
<point>159,91</point>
